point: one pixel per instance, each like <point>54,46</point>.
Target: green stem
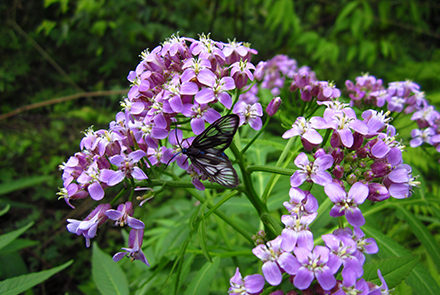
<point>236,95</point>
<point>270,169</point>
<point>256,136</point>
<point>341,222</point>
<point>118,196</point>
<point>202,200</point>
<point>274,178</point>
<point>247,181</point>
<point>326,136</point>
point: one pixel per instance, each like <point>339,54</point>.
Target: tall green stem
<point>274,178</point>
<point>249,191</point>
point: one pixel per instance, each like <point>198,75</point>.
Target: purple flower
<point>200,114</point>
<point>375,121</point>
<point>383,289</point>
<point>347,203</point>
<point>249,114</point>
<point>312,171</point>
<point>216,89</point>
<point>426,117</point>
<point>241,72</point>
<point>309,265</point>
<point>109,142</point>
<point>94,181</point>
<point>126,168</point>
<point>301,202</point>
<point>403,89</point>
<point>123,216</point>
<point>90,140</point>
<point>364,245</point>
<point>343,122</point>
<point>327,91</point>
<point>297,233</point>
<point>421,136</point>
<point>196,176</point>
<point>150,129</point>
<point>250,285</point>
<point>400,182</point>
<point>274,259</point>
<point>235,51</point>
<point>395,103</point>
<point>359,288</point>
<point>159,155</point>
<point>306,129</point>
<point>89,225</point>
<point>72,192</point>
<point>134,250</point>
<point>342,249</point>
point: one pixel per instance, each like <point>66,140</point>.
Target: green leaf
<point>419,279</point>
<point>9,237</point>
<point>384,47</point>
<point>107,275</point>
<point>17,245</point>
<point>422,282</point>
<point>423,235</point>
<point>21,183</point>
<point>393,270</point>
<point>384,8</point>
<point>5,210</point>
<point>340,21</point>
<point>367,16</point>
<point>22,283</point>
<point>202,239</point>
<point>203,279</point>
<point>351,53</point>
<point>356,24</point>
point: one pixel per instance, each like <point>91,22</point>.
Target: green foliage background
<point>55,48</point>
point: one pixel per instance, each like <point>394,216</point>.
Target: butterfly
<point>206,151</point>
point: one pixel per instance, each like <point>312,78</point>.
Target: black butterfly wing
<point>218,135</point>
<point>217,166</point>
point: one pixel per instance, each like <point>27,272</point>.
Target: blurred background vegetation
<point>53,49</point>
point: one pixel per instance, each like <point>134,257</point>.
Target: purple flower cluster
<point>183,79</point>
<point>404,97</point>
<point>294,252</point>
<point>281,69</point>
<point>363,161</point>
<point>363,151</point>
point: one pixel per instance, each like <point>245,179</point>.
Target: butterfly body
<point>206,152</point>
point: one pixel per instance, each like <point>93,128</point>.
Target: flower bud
<point>273,106</point>
<point>338,171</point>
<point>259,71</point>
<point>306,94</point>
<point>293,86</point>
<point>380,169</point>
<point>377,192</point>
<point>362,152</point>
<point>338,155</point>
<point>351,179</point>
<point>259,238</point>
<point>358,141</point>
<point>319,153</point>
<point>368,175</point>
<point>351,157</point>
